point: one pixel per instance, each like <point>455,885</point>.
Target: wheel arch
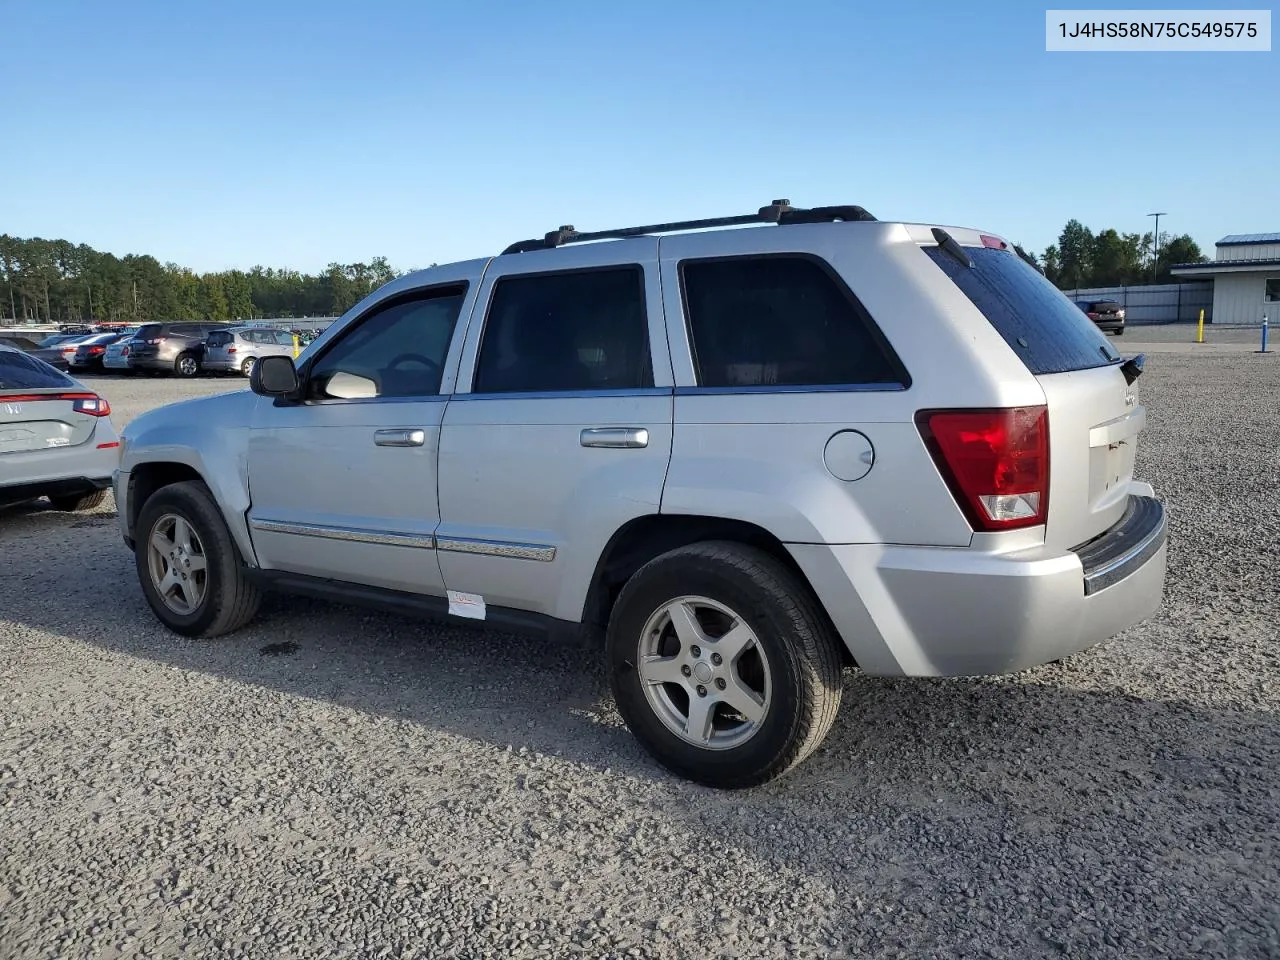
<point>644,538</point>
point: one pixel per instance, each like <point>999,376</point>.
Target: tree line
<point>57,281</point>
<point>1109,258</point>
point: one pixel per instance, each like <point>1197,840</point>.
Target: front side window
<point>1272,290</point>
<point>398,350</point>
<point>582,330</point>
<point>759,321</point>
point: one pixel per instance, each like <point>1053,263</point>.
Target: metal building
<point>1246,278</point>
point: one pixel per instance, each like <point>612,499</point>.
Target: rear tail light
<point>124,351</point>
<point>87,403</point>
<point>97,349</point>
<point>231,349</point>
<point>1092,315</point>
<point>996,463</point>
<point>93,405</point>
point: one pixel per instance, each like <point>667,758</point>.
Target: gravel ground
<point>331,783</point>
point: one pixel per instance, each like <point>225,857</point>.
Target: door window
<point>760,321</point>
<point>397,350</point>
<point>551,332</point>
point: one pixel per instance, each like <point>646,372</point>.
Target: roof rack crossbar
<point>780,212</point>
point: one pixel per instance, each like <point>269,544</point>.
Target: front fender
<point>213,442</point>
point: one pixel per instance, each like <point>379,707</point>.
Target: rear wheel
<point>188,565</point>
<point>186,365</point>
<point>247,367</point>
<point>722,664</point>
<point>79,501</point>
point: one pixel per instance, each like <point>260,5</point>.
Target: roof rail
<point>779,212</point>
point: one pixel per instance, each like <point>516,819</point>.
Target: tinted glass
<point>570,331</point>
<point>149,331</point>
<point>1042,326</point>
<point>779,321</point>
<point>397,351</point>
<point>218,339</point>
<point>20,372</point>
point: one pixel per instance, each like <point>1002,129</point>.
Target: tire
<point>186,366</point>
<point>79,501</point>
<point>1120,332</point>
<point>792,640</point>
<point>229,599</point>
<point>247,367</point>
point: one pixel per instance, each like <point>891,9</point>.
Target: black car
<point>1107,314</point>
<point>88,354</point>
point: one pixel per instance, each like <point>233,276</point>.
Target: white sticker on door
<point>469,605</point>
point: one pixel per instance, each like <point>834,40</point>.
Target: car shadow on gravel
<point>1025,766</point>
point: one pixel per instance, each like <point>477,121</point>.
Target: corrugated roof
<point>1237,239</point>
<point>1215,264</point>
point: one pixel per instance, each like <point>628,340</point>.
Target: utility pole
<point>1155,260</point>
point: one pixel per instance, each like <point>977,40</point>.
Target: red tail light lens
<point>231,349</point>
<point>96,350</point>
<point>1092,315</point>
<point>92,405</point>
<point>996,463</point>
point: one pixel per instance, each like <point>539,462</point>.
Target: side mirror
<point>274,377</point>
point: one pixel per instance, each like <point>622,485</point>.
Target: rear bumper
<point>223,364</point>
<point>923,611</point>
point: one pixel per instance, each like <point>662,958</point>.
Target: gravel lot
<point>331,783</point>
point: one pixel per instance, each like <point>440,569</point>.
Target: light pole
<point>1155,260</point>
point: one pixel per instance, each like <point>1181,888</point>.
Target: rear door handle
<point>619,438</point>
<point>400,438</point>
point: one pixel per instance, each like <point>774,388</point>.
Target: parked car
<point>56,438</point>
<point>116,357</point>
<point>59,352</point>
<point>174,348</point>
<point>89,352</point>
<point>737,459</point>
<point>1107,314</point>
<point>237,349</point>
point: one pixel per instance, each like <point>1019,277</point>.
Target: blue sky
<point>294,134</point>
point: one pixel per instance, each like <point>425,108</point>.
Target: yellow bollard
<point>296,349</point>
<point>1200,330</point>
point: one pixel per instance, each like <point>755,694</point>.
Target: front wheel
<point>722,664</point>
<point>247,367</point>
<point>188,565</point>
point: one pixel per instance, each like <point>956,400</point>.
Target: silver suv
<point>237,349</point>
<point>738,459</point>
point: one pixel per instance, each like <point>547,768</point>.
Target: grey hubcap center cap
<point>703,672</point>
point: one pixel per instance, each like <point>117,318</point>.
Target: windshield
<point>1049,332</point>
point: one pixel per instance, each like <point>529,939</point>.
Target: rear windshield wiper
<point>948,243</point>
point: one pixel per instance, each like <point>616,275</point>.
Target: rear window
<point>149,331</point>
<point>20,372</point>
<point>1049,332</point>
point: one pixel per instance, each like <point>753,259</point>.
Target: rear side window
<point>1049,332</point>
<point>20,372</point>
<point>584,330</point>
<point>761,321</point>
<point>219,339</point>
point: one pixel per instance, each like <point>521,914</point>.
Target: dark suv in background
<point>170,347</point>
<point>1107,314</point>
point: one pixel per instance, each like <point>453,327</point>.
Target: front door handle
<point>619,438</point>
<point>400,438</point>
